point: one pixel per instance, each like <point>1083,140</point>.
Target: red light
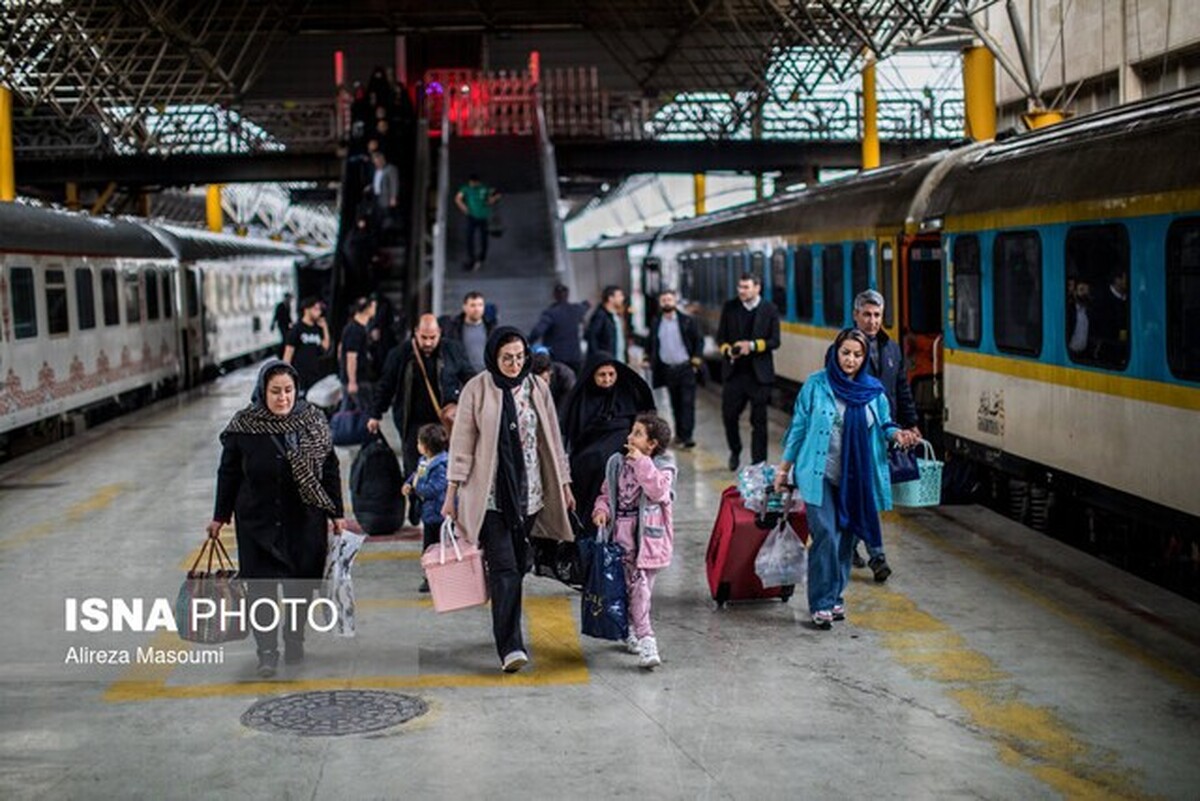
<point>339,67</point>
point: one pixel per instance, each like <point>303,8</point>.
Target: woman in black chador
<point>279,478</point>
<point>597,418</point>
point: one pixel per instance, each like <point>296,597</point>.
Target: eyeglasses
<point>512,358</point>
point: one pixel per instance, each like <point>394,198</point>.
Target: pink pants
<point>639,582</point>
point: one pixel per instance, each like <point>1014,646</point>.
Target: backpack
<point>375,482</point>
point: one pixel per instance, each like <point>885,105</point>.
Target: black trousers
<point>680,380</point>
<point>269,588</point>
<point>477,229</point>
<point>431,535</point>
<point>738,390</point>
<point>506,554</point>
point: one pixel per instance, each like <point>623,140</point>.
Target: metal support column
<point>870,140</point>
<point>216,222</point>
<point>699,192</point>
<point>8,179</point>
<point>72,196</point>
<point>979,91</point>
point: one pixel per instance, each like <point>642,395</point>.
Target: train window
<point>758,266</point>
<point>968,306</point>
<point>885,284</point>
<point>85,298</point>
<point>24,302</point>
<point>168,285</point>
<point>779,281</point>
<point>191,295</point>
<point>804,283</point>
<point>1097,295</point>
<point>133,298</point>
<point>833,286</point>
<point>108,294</point>
<point>1183,298</point>
<point>1017,292</point>
<point>860,269</point>
<point>687,279</point>
<point>57,319</point>
<point>151,295</point>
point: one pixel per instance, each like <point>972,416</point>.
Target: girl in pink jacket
<point>640,486</point>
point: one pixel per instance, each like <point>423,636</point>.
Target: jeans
<point>477,228</point>
<point>739,389</point>
<point>829,555</point>
<point>681,386</point>
<point>505,552</point>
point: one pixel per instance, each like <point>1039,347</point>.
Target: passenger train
<point>97,310</point>
<point>991,256</point>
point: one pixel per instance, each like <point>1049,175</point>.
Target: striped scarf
<point>308,444</point>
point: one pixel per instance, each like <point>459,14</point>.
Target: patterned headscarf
<point>304,432</point>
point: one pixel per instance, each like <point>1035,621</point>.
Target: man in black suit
<point>676,348</point>
<point>747,335</point>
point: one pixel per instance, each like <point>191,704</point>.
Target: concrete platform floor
<point>994,664</point>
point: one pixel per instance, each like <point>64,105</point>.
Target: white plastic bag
<point>326,393</point>
<point>338,586</point>
<point>754,485</point>
<point>782,559</point>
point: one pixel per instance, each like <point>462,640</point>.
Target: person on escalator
<point>475,199</point>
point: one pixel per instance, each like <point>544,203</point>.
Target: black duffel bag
<point>375,482</point>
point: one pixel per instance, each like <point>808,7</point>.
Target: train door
<point>192,327</point>
<point>652,287</point>
<point>920,326</point>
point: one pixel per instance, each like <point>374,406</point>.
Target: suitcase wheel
<point>722,594</point>
<point>786,591</point>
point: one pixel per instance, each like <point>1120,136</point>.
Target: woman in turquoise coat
<point>837,444</point>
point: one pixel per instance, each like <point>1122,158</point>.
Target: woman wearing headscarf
<point>279,478</point>
<point>597,418</point>
<point>837,444</point>
<point>507,471</point>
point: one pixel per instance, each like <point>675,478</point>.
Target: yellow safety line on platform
<point>1028,737</point>
<point>99,500</point>
<point>386,556</point>
<point>554,646</point>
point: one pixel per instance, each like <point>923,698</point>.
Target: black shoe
<point>268,663</point>
<point>688,444</point>
<point>857,560</point>
<point>293,652</point>
<point>735,459</point>
<point>879,567</point>
<point>424,586</point>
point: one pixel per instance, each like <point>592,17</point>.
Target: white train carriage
<point>88,314</point>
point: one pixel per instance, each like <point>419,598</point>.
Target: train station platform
<point>995,663</point>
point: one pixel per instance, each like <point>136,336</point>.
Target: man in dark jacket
<point>403,388</point>
<point>676,348</point>
<point>606,329</point>
<point>885,362</point>
<point>559,329</point>
<point>471,328</point>
<point>747,335</point>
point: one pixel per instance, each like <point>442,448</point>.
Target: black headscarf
<point>592,411</point>
<point>303,432</point>
<point>512,485</point>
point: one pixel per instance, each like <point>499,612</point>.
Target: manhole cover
<point>333,713</point>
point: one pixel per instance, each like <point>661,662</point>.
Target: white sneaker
<point>632,644</point>
<point>649,651</point>
<point>515,661</point>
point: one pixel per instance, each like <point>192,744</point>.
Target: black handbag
<point>902,465</point>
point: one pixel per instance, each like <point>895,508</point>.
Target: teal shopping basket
<point>926,490</point>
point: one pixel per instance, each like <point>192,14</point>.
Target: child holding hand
<point>636,498</point>
<point>427,484</point>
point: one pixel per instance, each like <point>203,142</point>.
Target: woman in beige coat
<point>507,471</point>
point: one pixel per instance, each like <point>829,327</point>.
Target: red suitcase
<point>732,548</point>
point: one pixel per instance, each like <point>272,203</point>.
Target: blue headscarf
<point>857,512</point>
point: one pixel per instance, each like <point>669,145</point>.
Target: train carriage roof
<point>1137,149</point>
<point>29,229</point>
<point>190,244</point>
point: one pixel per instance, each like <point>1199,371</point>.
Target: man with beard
<point>675,356</point>
<point>421,379</point>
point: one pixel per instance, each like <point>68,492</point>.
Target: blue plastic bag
<point>604,607</point>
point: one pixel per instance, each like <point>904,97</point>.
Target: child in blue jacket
<point>427,484</point>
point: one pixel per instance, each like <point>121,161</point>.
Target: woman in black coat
<point>597,418</point>
<point>279,477</point>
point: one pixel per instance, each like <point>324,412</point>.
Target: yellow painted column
<point>1042,117</point>
<point>699,192</point>
<point>72,196</point>
<point>213,207</point>
<point>870,112</point>
<point>8,173</point>
<point>979,90</point>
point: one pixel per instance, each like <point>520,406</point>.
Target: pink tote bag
<point>456,576</point>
